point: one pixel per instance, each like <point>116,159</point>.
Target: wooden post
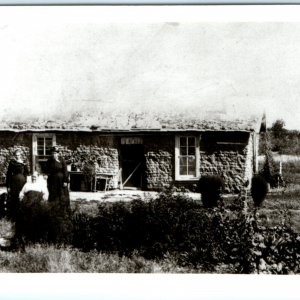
<point>280,174</point>
<point>280,168</point>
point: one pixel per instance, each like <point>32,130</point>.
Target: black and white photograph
<point>161,140</point>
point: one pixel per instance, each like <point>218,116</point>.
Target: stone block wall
<point>227,155</point>
<point>159,161</point>
<point>81,149</point>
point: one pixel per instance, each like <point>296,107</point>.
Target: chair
<point>108,177</point>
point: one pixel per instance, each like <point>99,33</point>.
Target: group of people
<point>55,192</point>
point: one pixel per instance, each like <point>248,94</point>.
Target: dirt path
<point>117,195</point>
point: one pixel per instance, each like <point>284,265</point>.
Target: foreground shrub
<point>171,223</point>
<point>176,227</point>
<point>211,187</point>
<point>276,250</point>
<point>152,227</point>
<point>112,232</point>
<point>33,219</point>
<point>259,190</point>
<point>39,222</point>
<point>84,231</point>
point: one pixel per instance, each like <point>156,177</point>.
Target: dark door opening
<point>132,162</point>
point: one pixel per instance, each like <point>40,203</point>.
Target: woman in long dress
<point>57,181</point>
<point>16,177</point>
<point>60,225</point>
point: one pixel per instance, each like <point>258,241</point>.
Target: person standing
<point>57,181</point>
<point>16,177</point>
<point>59,201</point>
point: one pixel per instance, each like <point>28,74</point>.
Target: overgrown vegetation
<point>211,187</point>
<point>283,141</point>
<point>269,171</point>
<point>171,233</point>
<point>280,141</point>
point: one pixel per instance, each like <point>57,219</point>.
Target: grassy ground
<point>283,204</point>
<point>281,207</point>
<point>49,259</point>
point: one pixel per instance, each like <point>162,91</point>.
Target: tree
<point>278,129</point>
<point>269,170</point>
<point>278,135</point>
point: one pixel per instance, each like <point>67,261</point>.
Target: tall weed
<point>49,259</point>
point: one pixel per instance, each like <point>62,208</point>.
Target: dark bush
<point>147,226</point>
<point>39,221</point>
<point>211,187</point>
<point>112,233</point>
<point>173,224</point>
<point>84,231</point>
<point>153,227</point>
<point>60,224</point>
<point>139,226</point>
<point>33,218</point>
<point>259,190</point>
<point>166,223</point>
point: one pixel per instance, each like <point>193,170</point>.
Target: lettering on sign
<point>131,140</point>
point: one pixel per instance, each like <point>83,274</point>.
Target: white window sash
<point>179,177</point>
<point>35,137</point>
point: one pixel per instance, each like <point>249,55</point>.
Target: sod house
<point>139,151</point>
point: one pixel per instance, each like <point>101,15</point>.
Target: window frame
<point>35,156</point>
<point>179,177</point>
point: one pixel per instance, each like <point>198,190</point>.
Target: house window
<point>42,144</point>
<point>187,158</point>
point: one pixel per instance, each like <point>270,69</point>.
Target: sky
<point>59,60</point>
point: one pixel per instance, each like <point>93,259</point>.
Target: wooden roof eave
<point>135,130</point>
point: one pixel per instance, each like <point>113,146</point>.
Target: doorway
<point>132,163</point>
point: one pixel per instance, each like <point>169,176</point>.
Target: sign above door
<point>131,140</point>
